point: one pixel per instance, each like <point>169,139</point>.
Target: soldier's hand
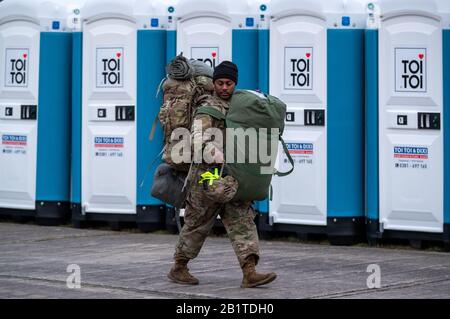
<point>218,156</point>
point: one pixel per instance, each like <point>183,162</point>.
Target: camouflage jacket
<point>203,125</point>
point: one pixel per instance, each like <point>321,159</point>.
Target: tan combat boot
<point>180,273</point>
<point>252,278</point>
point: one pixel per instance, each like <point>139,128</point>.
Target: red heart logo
<point>25,55</point>
<point>214,54</point>
<point>421,56</point>
<point>119,55</point>
<point>308,55</point>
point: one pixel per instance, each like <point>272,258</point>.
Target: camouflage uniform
<point>201,208</point>
<point>175,113</point>
<point>179,97</point>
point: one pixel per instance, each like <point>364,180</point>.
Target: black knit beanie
<point>226,70</point>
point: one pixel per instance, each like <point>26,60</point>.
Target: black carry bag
<point>168,185</point>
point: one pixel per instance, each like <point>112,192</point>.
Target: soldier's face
<point>224,88</point>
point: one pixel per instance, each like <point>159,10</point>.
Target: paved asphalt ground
<point>34,261</point>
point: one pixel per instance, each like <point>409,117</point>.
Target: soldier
<point>206,201</point>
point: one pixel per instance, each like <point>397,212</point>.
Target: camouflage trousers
<point>200,216</point>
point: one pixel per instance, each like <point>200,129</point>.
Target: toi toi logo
<point>301,72</point>
<point>411,70</point>
<point>111,70</point>
<point>211,61</point>
<point>208,56</point>
<point>16,67</point>
<point>109,67</point>
<point>413,73</point>
<point>298,68</point>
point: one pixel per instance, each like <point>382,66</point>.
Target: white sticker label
<point>107,146</point>
<point>16,67</point>
<point>14,144</point>
<point>208,55</point>
<point>110,67</point>
<point>410,70</point>
<point>411,157</point>
<point>301,153</point>
<point>298,67</point>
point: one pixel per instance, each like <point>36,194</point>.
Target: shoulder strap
<point>286,151</point>
<point>209,110</point>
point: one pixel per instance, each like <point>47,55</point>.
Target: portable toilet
<point>35,99</point>
<point>213,31</point>
<point>317,69</point>
<point>119,60</point>
<point>444,9</point>
<point>407,91</point>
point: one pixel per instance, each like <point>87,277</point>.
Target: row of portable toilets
<point>367,86</point>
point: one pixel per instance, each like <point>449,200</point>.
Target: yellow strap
<point>208,176</point>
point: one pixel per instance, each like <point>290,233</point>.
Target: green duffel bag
<point>252,110</point>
